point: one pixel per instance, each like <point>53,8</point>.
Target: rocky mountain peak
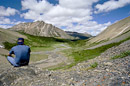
<point>40,28</point>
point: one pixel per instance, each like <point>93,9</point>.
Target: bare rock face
<point>113,30</point>
<point>41,28</point>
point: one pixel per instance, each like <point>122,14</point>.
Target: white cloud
<point>30,15</point>
<point>64,14</point>
<point>37,6</point>
<point>77,4</point>
<point>4,20</point>
<point>4,13</point>
<point>7,23</point>
<point>7,12</point>
<point>111,5</point>
<point>5,26</point>
<point>90,27</point>
<point>58,13</point>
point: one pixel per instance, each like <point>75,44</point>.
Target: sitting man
<point>21,52</point>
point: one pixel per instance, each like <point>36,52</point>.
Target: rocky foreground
<point>108,72</point>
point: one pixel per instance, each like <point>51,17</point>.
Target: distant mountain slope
<point>41,28</point>
<point>79,35</point>
<point>9,36</point>
<point>113,30</point>
<point>117,39</point>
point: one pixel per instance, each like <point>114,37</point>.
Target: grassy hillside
<point>79,55</point>
<point>37,41</point>
<point>9,36</point>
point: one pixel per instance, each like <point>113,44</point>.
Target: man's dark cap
<point>20,42</point>
<point>21,39</point>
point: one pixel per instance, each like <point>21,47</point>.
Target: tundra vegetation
<point>78,51</point>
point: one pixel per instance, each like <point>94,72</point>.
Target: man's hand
<point>9,54</point>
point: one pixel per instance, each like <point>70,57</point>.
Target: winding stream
<point>54,57</point>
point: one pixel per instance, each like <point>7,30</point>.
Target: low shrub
<point>9,45</point>
<point>94,65</point>
<point>122,55</point>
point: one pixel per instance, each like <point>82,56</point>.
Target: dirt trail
<point>54,57</point>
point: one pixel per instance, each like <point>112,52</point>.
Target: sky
<point>83,16</point>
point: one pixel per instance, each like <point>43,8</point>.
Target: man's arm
<point>29,50</point>
<point>10,52</point>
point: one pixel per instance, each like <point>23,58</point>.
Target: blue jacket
<point>22,53</point>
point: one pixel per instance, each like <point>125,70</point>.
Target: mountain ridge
<point>40,28</point>
<point>113,30</point>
